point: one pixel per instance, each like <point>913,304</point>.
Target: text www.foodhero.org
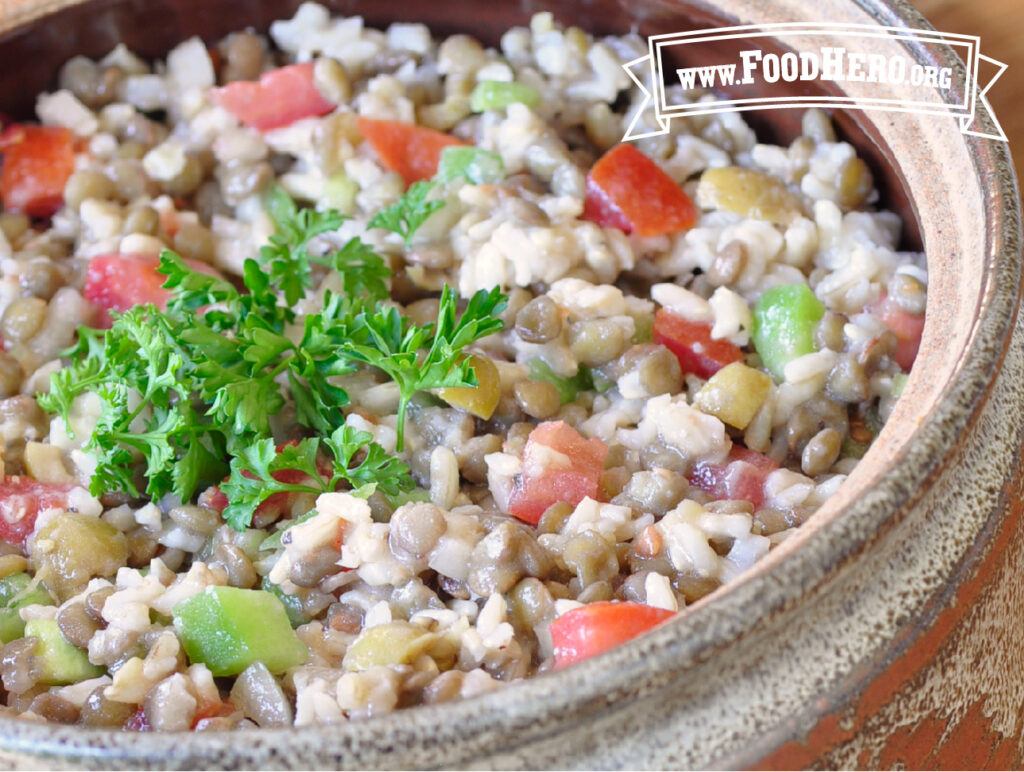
<point>830,64</point>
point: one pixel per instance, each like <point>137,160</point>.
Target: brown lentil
<point>194,242</point>
<point>85,184</point>
<point>142,219</point>
<point>728,264</point>
<point>76,625</point>
<point>821,451</point>
<point>186,180</point>
<point>40,278</point>
<point>538,399</point>
<point>908,292</point>
<point>23,319</point>
<point>14,225</point>
<point>99,711</point>
<point>10,375</point>
<point>130,181</point>
<point>243,57</point>
<point>657,368</point>
<point>54,708</point>
<point>539,321</point>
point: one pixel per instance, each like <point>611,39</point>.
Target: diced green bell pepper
<point>59,662</point>
<point>292,604</point>
<point>340,193</point>
<point>567,388</point>
<point>228,629</point>
<point>784,323</point>
<point>899,382</point>
<point>15,595</point>
<point>499,94</point>
<point>478,166</point>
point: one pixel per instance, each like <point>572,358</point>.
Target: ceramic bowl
<point>885,633</point>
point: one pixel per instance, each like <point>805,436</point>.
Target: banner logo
<point>842,60</point>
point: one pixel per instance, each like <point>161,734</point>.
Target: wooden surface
<point>999,24</point>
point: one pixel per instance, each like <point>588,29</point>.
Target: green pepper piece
<point>474,164</point>
<point>228,629</point>
<point>567,388</point>
<point>784,322</point>
<point>59,662</point>
<point>292,604</point>
<point>499,94</point>
<point>14,596</point>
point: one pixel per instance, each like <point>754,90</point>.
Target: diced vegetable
<point>478,166</point>
<point>906,327</point>
<point>412,151</point>
<point>118,282</point>
<point>37,161</point>
<point>568,388</point>
<point>292,604</point>
<point>740,478</point>
<point>58,661</point>
<point>340,193</point>
<point>394,643</point>
<point>785,319</point>
<point>71,549</point>
<point>482,399</point>
<point>21,501</point>
<point>597,627</point>
<point>748,193</point>
<point>734,394</point>
<point>228,629</point>
<point>559,465</point>
<point>629,191</point>
<point>279,98</point>
<point>14,595</point>
<point>499,94</point>
<point>692,344</point>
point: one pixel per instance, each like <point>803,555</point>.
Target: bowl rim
<point>549,702</point>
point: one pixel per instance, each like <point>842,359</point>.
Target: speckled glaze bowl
<point>885,633</point>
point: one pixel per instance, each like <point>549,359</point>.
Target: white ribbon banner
<point>840,60</point>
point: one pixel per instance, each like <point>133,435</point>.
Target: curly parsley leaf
<point>263,469</point>
<point>387,340</point>
<point>409,212</point>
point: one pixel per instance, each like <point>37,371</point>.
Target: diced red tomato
<point>21,501</point>
<point>740,478</point>
<point>219,709</point>
<point>597,627</point>
<point>117,282</point>
<point>692,344</point>
<point>905,326</point>
<point>37,161</point>
<point>279,98</point>
<point>412,151</point>
<point>629,191</point>
<point>548,479</point>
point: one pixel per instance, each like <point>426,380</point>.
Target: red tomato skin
<point>597,627</point>
<point>118,282</point>
<point>692,344</point>
<point>629,191</point>
<point>21,501</point>
<point>412,151</point>
<point>37,161</point>
<point>539,488</point>
<point>740,478</point>
<point>279,98</point>
<point>906,327</point>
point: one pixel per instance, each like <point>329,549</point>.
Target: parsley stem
<point>403,403</point>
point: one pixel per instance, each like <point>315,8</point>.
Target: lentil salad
<point>668,397</point>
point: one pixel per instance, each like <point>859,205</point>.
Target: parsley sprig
<point>262,469</point>
<point>189,394</point>
<point>391,342</point>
